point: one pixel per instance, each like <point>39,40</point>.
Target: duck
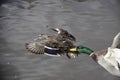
<point>108,58</point>
<point>56,45</point>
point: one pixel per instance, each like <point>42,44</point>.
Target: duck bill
<point>73,49</point>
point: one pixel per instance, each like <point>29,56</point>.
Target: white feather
<point>113,57</point>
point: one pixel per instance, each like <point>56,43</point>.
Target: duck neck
<point>82,49</point>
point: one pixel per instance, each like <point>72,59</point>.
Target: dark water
<point>93,22</point>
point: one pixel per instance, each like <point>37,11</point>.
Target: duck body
<point>56,45</point>
<point>109,58</point>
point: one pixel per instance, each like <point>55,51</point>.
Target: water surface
<point>93,22</point>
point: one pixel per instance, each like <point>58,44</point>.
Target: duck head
<point>64,34</point>
<point>81,49</point>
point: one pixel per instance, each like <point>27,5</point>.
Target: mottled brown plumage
<point>63,40</point>
<point>95,54</point>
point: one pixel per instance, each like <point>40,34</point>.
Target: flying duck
<point>52,45</point>
<point>108,58</point>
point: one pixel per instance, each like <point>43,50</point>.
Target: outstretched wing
<point>113,57</point>
<point>116,41</point>
<point>35,47</point>
<point>64,34</point>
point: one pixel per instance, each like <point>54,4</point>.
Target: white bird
<point>108,58</point>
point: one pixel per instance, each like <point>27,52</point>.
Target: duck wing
<point>116,41</point>
<point>64,34</point>
<point>35,47</point>
<point>42,38</point>
<point>113,57</point>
